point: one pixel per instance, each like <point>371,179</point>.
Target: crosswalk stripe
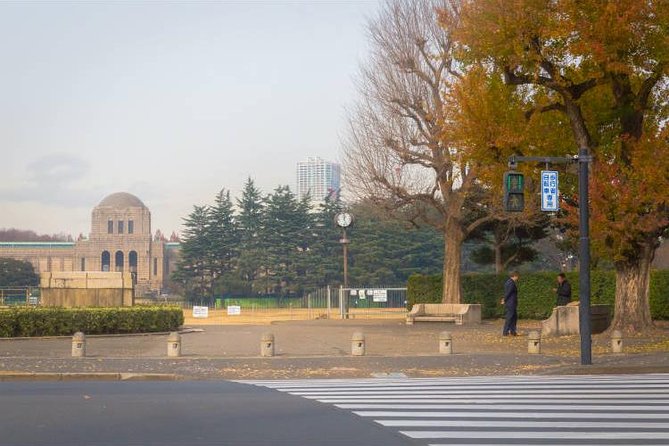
<point>563,435</point>
<point>506,415</point>
<point>619,424</point>
<point>534,407</point>
<point>620,410</point>
<point>529,400</point>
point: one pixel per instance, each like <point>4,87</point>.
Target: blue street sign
<point>550,193</point>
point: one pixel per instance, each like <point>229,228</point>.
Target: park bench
<point>458,313</point>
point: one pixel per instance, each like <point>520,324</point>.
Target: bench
<point>458,313</point>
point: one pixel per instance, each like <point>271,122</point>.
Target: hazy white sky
<point>169,100</point>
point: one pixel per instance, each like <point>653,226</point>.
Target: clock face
<point>344,219</point>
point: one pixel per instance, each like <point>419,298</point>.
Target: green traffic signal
<point>514,195</point>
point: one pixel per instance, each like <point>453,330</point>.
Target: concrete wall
<point>86,289</point>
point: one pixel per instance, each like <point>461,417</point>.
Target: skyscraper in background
<point>317,178</point>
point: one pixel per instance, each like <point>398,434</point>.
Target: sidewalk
<point>321,348</point>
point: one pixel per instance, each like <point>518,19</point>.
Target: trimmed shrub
<point>56,321</point>
<point>535,292</point>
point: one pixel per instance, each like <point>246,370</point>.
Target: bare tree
<point>397,150</point>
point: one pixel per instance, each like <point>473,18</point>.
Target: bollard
<point>534,342</point>
<point>267,344</point>
<point>358,344</point>
<point>445,343</point>
<point>174,345</point>
<point>78,345</point>
<point>617,341</point>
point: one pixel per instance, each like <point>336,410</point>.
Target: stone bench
<point>564,320</point>
<point>458,313</point>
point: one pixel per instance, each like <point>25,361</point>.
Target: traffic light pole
<point>583,159</point>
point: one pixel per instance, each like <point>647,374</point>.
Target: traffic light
<point>514,196</point>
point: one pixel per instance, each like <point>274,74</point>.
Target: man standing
<point>563,290</point>
<point>510,302</point>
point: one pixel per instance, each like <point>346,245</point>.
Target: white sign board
<point>549,191</point>
<point>200,312</point>
<point>361,294</point>
<point>234,310</point>
<point>380,295</point>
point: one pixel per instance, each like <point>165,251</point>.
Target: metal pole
<point>345,243</point>
<point>584,257</point>
<point>329,304</point>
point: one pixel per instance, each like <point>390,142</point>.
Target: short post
<point>445,343</point>
<point>358,344</point>
<point>534,342</point>
<point>267,344</point>
<point>174,345</point>
<point>617,341</point>
<point>78,345</point>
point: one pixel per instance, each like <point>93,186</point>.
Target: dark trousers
<point>510,319</point>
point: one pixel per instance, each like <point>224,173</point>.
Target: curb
<point>46,376</point>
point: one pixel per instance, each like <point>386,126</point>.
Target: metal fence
<point>372,302</point>
<point>324,303</point>
<point>10,296</point>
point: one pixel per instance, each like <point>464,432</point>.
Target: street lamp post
<point>344,220</point>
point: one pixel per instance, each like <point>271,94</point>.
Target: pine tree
<point>286,239</point>
<point>223,238</point>
<point>194,268</point>
<point>326,251</point>
<point>250,224</point>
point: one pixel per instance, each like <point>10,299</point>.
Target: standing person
<point>510,302</point>
<point>563,290</point>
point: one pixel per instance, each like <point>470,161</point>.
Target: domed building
<point>120,240</point>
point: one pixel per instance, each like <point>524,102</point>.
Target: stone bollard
<point>534,342</point>
<point>445,343</point>
<point>267,344</point>
<point>358,344</point>
<point>174,345</point>
<point>617,341</point>
<point>78,345</point>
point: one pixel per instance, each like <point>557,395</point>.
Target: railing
<point>19,296</point>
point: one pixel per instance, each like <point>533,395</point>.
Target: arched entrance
<point>106,261</point>
<point>118,261</point>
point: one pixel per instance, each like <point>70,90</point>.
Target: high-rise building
<point>317,178</point>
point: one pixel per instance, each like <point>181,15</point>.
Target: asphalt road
<point>175,413</point>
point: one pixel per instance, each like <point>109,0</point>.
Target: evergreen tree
<point>250,225</point>
<point>223,239</point>
<point>194,270</point>
<point>17,273</point>
<point>285,240</point>
<point>326,252</point>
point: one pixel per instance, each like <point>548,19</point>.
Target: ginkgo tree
<point>599,69</point>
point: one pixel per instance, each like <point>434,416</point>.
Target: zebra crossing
<point>616,410</point>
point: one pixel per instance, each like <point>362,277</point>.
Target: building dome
<point>121,200</point>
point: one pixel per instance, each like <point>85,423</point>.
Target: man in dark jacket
<point>510,302</point>
<point>563,290</point>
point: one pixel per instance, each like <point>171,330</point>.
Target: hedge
<point>535,292</point>
<point>56,321</point>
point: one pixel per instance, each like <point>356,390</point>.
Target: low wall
<point>564,321</point>
<point>86,289</point>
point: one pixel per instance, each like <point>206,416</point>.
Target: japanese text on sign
<point>549,191</point>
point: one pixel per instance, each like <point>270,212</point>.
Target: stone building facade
<point>120,240</point>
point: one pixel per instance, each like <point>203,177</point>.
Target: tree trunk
<point>452,289</point>
<point>499,265</point>
<point>632,305</point>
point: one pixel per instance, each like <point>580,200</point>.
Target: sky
<point>168,100</point>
